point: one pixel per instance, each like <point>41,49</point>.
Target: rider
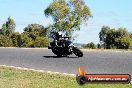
<point>59,36</point>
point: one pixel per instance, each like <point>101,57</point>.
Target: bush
<point>90,46</point>
<point>39,42</point>
<point>5,41</point>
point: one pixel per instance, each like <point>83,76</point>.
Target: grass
<point>15,78</point>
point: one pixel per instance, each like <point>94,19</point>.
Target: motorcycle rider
<point>59,36</point>
<point>62,45</point>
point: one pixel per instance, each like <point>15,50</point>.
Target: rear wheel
<point>56,51</point>
<point>77,52</point>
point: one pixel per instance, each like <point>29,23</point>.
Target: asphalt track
<point>94,62</point>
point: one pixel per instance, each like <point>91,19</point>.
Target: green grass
<point>14,78</point>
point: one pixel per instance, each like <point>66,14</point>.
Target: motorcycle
<point>62,46</point>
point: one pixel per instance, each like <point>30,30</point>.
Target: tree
<point>39,42</point>
<point>124,43</point>
<point>110,39</point>
<point>3,29</point>
<point>103,34</point>
<point>122,32</point>
<point>34,35</point>
<point>17,39</point>
<point>115,38</point>
<point>10,24</point>
<point>99,46</point>
<point>25,40</point>
<point>9,27</point>
<point>131,35</point>
<point>5,41</point>
<point>34,30</point>
<point>90,45</point>
<point>67,15</point>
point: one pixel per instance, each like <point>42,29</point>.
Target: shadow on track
<point>59,57</point>
<point>53,56</point>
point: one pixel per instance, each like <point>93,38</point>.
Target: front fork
<point>71,46</point>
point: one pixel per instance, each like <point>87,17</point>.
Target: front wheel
<point>77,52</point>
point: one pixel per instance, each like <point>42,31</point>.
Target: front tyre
<point>77,52</point>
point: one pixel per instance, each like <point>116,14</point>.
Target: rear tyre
<point>56,51</point>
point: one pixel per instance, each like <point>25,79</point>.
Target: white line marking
<point>50,72</point>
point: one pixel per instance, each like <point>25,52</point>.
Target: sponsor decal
<point>83,78</point>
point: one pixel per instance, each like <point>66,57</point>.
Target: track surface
<point>93,61</point>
